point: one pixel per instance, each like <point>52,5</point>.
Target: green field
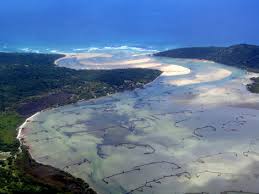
<point>8,124</point>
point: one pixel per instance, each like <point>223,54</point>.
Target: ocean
<point>74,25</point>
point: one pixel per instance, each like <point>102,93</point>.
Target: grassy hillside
<point>8,123</point>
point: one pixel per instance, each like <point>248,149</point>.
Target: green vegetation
<point>8,124</point>
<point>254,86</point>
<point>24,76</point>
<point>242,56</point>
<point>12,181</point>
<point>24,175</point>
<point>30,83</point>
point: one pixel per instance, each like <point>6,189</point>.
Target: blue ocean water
<point>67,25</point>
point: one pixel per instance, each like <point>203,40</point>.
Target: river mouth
<point>187,131</point>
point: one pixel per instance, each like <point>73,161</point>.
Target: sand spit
<point>203,77</point>
<point>90,61</point>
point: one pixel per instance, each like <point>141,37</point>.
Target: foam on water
<point>107,49</point>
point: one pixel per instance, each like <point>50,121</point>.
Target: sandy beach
<point>22,128</point>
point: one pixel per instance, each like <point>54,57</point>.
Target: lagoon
<point>193,129</point>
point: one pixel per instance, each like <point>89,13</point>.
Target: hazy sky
<point>175,22</point>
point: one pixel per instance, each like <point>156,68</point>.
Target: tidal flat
<point>194,129</point>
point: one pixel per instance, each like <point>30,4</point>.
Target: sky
<point>141,22</point>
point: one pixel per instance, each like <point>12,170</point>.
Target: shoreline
<point>24,160</point>
<point>174,73</point>
<point>173,70</point>
<point>21,129</point>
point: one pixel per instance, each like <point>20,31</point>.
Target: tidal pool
<point>194,129</point>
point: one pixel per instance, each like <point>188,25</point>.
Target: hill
<point>242,56</point>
